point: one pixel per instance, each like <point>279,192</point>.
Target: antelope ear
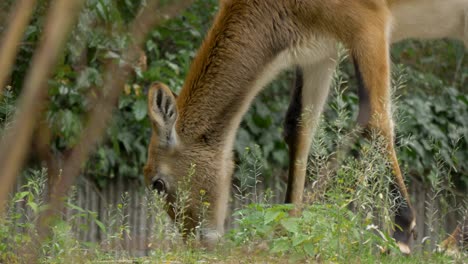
<point>163,114</point>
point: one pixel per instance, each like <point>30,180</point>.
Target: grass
<point>327,231</point>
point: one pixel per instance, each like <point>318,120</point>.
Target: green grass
<point>327,231</point>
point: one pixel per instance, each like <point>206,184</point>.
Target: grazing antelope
<point>250,42</point>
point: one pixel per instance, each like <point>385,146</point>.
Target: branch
<point>10,43</point>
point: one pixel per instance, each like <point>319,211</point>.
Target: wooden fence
<point>139,219</point>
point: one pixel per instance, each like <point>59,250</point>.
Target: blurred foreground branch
<point>16,141</point>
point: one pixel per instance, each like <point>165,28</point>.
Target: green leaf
<point>309,248</point>
<point>307,215</point>
<point>140,110</point>
<point>271,216</point>
<point>20,196</point>
<point>100,225</point>
<point>280,245</point>
<point>299,239</point>
<point>127,140</point>
<point>34,207</point>
<point>291,225</point>
<point>79,209</point>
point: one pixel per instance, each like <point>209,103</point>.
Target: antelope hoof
<point>404,248</point>
<point>405,229</point>
<point>403,238</point>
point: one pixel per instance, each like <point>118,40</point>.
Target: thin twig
<point>16,140</point>
<point>9,46</point>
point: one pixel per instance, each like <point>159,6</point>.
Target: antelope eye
<point>159,186</point>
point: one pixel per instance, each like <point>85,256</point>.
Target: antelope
<point>249,43</point>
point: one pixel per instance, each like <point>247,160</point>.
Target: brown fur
<point>242,52</point>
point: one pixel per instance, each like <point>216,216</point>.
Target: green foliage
<point>19,227</point>
<point>263,126</point>
<point>432,107</point>
<point>330,231</point>
<point>442,126</point>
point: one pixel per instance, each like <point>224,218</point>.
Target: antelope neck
<point>224,76</point>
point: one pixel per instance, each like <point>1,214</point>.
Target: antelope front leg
<point>371,57</point>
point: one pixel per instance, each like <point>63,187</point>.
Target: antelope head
<point>179,163</point>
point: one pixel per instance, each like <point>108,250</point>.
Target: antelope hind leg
<point>371,57</point>
<point>309,96</point>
